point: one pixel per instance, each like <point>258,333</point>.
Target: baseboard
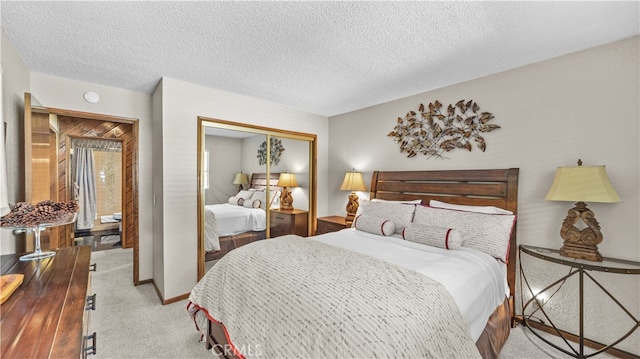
<point>170,300</point>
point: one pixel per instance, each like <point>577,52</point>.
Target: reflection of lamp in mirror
<point>241,179</point>
<point>579,184</point>
<point>352,182</point>
<point>286,180</point>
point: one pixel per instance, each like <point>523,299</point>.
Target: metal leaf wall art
<point>275,152</point>
<point>432,132</point>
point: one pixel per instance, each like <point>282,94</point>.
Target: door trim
<point>134,122</point>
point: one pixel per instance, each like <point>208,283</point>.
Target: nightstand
<point>330,224</point>
<point>293,221</point>
<point>538,315</point>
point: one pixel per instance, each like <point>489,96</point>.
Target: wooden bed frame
<point>492,187</point>
<point>227,243</point>
<point>485,187</point>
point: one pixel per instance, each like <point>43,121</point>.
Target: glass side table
<point>582,269</point>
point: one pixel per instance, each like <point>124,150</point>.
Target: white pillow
<point>400,214</point>
<point>380,226</point>
<point>412,201</point>
<point>489,233</point>
<point>461,207</point>
<point>233,200</point>
<point>447,238</point>
<point>245,194</point>
<point>261,197</point>
<point>252,203</point>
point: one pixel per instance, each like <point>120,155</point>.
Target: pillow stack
<point>449,226</point>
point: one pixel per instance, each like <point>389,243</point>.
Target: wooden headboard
<point>492,187</point>
<point>259,181</point>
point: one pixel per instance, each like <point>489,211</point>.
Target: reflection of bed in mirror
<point>239,222</point>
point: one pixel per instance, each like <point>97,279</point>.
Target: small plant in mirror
<point>431,132</point>
<point>276,152</point>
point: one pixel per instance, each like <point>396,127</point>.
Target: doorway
<point>97,173</point>
<point>70,124</point>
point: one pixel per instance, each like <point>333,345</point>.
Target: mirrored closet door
<point>254,183</point>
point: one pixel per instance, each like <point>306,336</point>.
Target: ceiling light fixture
<point>91,97</point>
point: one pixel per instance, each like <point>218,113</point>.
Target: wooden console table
<point>48,314</point>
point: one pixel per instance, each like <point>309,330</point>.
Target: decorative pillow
<point>245,194</point>
<point>233,200</point>
<point>461,207</point>
<point>447,238</point>
<point>260,197</point>
<point>489,233</point>
<point>252,203</point>
<point>412,201</point>
<point>380,226</point>
<point>400,214</point>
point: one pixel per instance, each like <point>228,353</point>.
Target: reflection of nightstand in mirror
<point>330,224</point>
<point>537,316</point>
<point>288,221</point>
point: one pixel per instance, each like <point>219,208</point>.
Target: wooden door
<point>41,166</point>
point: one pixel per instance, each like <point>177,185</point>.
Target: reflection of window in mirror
<point>206,170</point>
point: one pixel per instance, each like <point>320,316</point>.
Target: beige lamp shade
<point>582,184</point>
<point>241,178</point>
<point>353,182</point>
<point>287,180</point>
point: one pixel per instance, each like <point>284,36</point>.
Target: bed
<point>228,226</point>
<point>362,291</point>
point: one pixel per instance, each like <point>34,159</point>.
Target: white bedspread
<point>292,297</point>
<point>476,280</point>
<point>227,220</point>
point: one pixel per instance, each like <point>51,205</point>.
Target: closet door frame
<point>311,139</point>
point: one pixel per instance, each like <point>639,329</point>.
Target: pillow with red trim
<point>489,233</point>
<point>375,225</point>
<point>401,214</point>
<point>442,237</point>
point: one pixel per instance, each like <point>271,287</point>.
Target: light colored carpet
<point>131,322</point>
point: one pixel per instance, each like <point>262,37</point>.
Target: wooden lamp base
<point>581,244</point>
<point>286,200</point>
<point>581,251</point>
<point>352,209</point>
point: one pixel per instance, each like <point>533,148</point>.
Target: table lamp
<point>241,179</point>
<point>581,184</point>
<point>352,182</point>
<point>286,180</point>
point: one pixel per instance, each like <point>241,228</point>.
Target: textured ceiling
<point>326,58</point>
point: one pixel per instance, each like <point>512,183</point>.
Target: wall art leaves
<point>276,152</point>
<point>435,130</point>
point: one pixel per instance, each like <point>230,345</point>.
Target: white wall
<point>182,103</point>
<point>157,185</point>
<point>15,82</point>
<point>583,105</point>
<point>63,93</point>
<point>225,160</point>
